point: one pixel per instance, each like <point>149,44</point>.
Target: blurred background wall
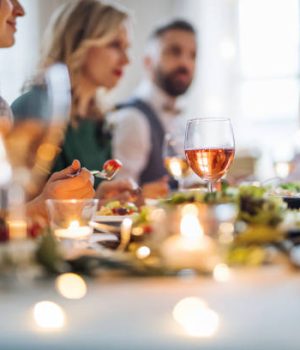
<point>248,63</point>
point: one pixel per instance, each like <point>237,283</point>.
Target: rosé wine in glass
<point>209,148</point>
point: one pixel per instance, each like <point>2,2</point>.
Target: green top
<point>87,141</point>
<point>33,104</point>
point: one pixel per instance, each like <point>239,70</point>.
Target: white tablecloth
<point>258,309</point>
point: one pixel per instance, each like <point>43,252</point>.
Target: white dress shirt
<point>131,130</point>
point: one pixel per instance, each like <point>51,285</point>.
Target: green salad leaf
<point>257,207</point>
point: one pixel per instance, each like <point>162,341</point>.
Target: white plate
<point>151,202</point>
<point>103,237</point>
<point>112,218</point>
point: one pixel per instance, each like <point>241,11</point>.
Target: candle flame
<point>190,226</point>
<point>73,224</point>
<point>189,209</point>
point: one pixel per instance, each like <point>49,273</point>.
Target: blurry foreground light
<point>49,315</point>
<point>196,318</point>
<point>143,252</point>
<point>71,286</point>
<point>190,209</point>
<point>137,231</point>
<point>221,273</point>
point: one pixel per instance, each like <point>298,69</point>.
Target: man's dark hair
<point>176,24</point>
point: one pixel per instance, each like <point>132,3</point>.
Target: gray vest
<point>154,168</point>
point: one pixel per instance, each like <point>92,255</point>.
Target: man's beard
<point>170,84</point>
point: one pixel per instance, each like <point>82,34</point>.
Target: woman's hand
<point>64,185</point>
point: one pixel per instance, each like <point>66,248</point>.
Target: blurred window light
<point>269,37</point>
<point>266,100</point>
<point>213,105</point>
<point>269,60</point>
<point>227,49</point>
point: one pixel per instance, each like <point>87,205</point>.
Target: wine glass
<point>38,131</point>
<point>174,159</point>
<point>283,156</point>
<point>209,148</point>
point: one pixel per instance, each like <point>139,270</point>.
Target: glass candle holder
<point>193,236</point>
<point>70,219</point>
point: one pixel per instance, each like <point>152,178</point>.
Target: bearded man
<point>142,122</point>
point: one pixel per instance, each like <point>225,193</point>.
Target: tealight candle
<point>74,231</point>
<point>191,248</point>
<point>17,229</point>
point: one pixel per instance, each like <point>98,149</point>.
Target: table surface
<point>259,308</point>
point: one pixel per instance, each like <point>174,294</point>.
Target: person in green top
<point>91,38</point>
<point>61,185</point>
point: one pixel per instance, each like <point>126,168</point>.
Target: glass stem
<point>210,186</point>
<point>180,184</point>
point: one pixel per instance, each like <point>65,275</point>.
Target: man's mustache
<point>181,70</point>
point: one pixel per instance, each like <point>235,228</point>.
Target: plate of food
<point>116,212</point>
<point>289,192</point>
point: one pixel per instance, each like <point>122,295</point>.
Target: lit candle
<point>17,229</point>
<point>74,231</point>
<point>17,224</point>
<point>125,234</point>
<point>191,248</point>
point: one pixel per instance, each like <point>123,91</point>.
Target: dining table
<point>253,308</point>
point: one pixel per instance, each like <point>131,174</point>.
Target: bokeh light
<point>143,252</point>
<point>49,315</point>
<point>71,286</point>
<point>221,273</point>
<point>196,318</point>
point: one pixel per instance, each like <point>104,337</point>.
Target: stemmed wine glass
<point>34,141</point>
<point>209,148</point>
<point>174,159</point>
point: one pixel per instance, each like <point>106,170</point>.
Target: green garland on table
<point>259,213</point>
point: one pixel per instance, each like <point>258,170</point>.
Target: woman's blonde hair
<point>75,27</point>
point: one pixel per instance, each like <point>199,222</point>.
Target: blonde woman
<point>60,185</point>
<point>91,38</point>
